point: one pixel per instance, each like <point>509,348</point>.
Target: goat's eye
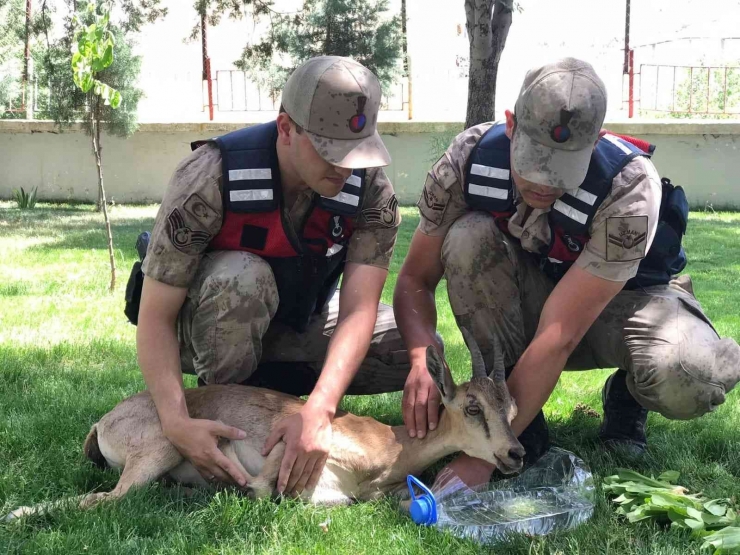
<point>472,410</point>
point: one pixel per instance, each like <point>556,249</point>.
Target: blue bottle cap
<point>423,508</point>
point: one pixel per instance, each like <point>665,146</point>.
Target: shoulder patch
<point>201,210</point>
<point>433,201</point>
<point>183,236</point>
<point>385,216</point>
<point>626,238</point>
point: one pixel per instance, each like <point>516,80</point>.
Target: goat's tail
<point>92,449</point>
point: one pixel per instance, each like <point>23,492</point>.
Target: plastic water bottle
<point>556,493</point>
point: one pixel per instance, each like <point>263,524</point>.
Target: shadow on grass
<point>124,238</point>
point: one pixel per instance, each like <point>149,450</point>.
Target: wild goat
<point>367,458</point>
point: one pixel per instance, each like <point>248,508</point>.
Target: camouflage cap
<point>336,100</point>
<point>559,114</point>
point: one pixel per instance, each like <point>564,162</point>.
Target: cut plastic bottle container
<point>556,493</point>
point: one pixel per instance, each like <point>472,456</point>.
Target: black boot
<point>535,438</point>
<point>623,428</point>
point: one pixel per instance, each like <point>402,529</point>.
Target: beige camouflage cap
<point>336,101</point>
<point>559,114</point>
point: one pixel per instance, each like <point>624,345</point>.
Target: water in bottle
<point>556,493</point>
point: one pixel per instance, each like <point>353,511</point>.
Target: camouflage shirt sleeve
<point>376,227</point>
<point>623,228</point>
<point>189,217</point>
<point>442,200</point>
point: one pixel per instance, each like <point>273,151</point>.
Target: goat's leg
<point>42,508</point>
<point>264,484</point>
<point>144,464</point>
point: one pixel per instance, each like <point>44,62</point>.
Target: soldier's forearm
<point>416,316</point>
<point>159,360</point>
<point>347,349</point>
<point>536,374</point>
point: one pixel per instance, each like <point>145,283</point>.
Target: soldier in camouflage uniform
<point>210,305</point>
<point>580,315</point>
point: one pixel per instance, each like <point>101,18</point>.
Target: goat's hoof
<point>18,513</point>
<point>93,499</point>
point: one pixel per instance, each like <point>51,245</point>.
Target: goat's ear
<point>440,372</point>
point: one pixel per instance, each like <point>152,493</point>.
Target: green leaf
<point>663,500</point>
<point>668,499</point>
<point>676,513</point>
<point>108,56</point>
<point>717,507</point>
<point>694,524</point>
<point>115,99</point>
<point>714,521</point>
<point>631,475</point>
<point>87,82</point>
<point>693,513</point>
<point>727,538</point>
<point>670,476</point>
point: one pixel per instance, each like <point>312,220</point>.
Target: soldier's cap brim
<point>544,165</point>
<point>368,152</point>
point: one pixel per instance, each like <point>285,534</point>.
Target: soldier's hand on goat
<point>307,436</point>
<point>197,441</point>
<point>421,400</point>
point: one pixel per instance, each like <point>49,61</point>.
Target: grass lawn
<point>67,356</point>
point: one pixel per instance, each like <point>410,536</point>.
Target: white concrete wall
<point>703,157</point>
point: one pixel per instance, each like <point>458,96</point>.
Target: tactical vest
<point>306,270</point>
<point>488,186</point>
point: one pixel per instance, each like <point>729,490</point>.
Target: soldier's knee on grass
<point>685,381</point>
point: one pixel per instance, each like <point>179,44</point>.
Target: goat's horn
<point>479,365</point>
<point>499,370</point>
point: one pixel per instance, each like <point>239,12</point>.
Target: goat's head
<point>480,410</point>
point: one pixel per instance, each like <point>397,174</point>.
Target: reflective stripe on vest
<point>488,173</point>
<point>488,186</point>
<point>348,199</point>
<point>575,210</point>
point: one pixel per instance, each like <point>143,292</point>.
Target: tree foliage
<point>12,37</point>
<point>12,29</point>
<point>360,29</point>
<point>64,102</point>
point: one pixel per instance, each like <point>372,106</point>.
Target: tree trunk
<point>96,118</point>
<point>95,134</point>
<point>488,23</point>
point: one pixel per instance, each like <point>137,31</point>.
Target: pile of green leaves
<point>642,498</point>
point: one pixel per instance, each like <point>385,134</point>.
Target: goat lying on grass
<point>367,458</point>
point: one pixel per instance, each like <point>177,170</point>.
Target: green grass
<point>67,356</point>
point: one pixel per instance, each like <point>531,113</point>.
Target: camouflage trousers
<point>676,362</point>
<point>227,335</point>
